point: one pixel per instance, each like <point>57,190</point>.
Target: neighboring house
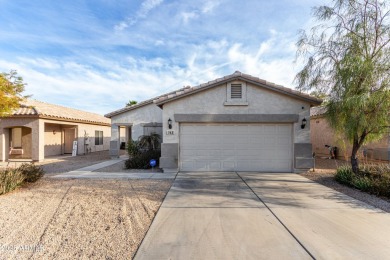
<point>322,134</point>
<point>234,123</point>
<point>37,130</point>
<point>132,122</point>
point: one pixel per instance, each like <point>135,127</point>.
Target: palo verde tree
<point>11,88</point>
<point>347,57</point>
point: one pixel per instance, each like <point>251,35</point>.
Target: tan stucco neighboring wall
<point>45,142</point>
<point>33,123</point>
<point>53,139</point>
<point>90,131</point>
<point>322,134</point>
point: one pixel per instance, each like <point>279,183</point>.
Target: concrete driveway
<point>263,216</point>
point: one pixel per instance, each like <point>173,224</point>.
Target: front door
<point>70,136</point>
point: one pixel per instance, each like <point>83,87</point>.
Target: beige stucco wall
<point>322,134</point>
<point>90,131</point>
<point>36,132</point>
<point>137,118</point>
<point>53,139</point>
<point>43,140</point>
<point>260,101</point>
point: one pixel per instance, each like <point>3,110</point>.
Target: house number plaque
<point>170,132</point>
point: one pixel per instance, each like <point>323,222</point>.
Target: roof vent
<point>236,91</point>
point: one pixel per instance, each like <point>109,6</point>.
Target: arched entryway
<point>20,143</point>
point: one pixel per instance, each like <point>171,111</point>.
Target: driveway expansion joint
<point>278,219</point>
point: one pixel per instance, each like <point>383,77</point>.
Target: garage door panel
<point>228,165</point>
<point>235,147</point>
<point>230,152</point>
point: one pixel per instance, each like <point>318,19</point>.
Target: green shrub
<point>31,172</point>
<point>372,178</point>
<point>362,183</point>
<point>10,179</point>
<point>142,159</point>
<point>133,148</point>
<point>381,187</point>
<point>344,175</point>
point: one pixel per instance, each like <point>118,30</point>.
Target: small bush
<point>142,159</point>
<point>344,175</point>
<point>31,172</point>
<point>362,183</point>
<point>372,178</point>
<point>10,179</point>
<point>133,148</point>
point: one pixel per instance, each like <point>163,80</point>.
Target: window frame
<point>98,137</point>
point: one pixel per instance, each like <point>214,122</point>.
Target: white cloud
<point>187,16</point>
<point>142,13</point>
<point>147,6</point>
<point>121,26</point>
<point>209,6</point>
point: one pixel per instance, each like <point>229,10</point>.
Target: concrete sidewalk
<point>263,216</point>
<point>89,172</point>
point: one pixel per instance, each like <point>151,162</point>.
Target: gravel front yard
<point>77,218</point>
<point>324,174</point>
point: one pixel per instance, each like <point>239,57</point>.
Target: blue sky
<point>96,55</point>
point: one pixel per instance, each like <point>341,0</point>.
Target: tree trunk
<point>354,159</point>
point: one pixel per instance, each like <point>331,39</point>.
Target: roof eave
<point>126,109</point>
<point>313,101</point>
<point>73,120</point>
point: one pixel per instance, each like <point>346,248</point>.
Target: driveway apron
<point>216,216</point>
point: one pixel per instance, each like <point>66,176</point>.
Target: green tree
<point>131,103</point>
<point>347,56</point>
<point>151,142</point>
<point>11,88</point>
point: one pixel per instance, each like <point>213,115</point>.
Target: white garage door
<point>236,147</point>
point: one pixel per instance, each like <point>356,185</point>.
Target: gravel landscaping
<point>324,174</point>
<point>76,218</point>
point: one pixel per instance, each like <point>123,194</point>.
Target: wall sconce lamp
<point>54,132</point>
<point>170,123</point>
<point>303,125</point>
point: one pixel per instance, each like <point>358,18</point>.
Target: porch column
<point>38,140</point>
<point>2,145</point>
<point>115,141</point>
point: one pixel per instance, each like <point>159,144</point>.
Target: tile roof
<point>317,111</point>
<point>138,105</point>
<point>236,76</point>
<point>160,100</point>
<point>32,107</point>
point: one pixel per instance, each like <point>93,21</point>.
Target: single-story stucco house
<point>37,130</point>
<point>234,123</point>
<point>322,134</point>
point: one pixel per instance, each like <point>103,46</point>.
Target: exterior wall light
<point>303,125</point>
<point>170,123</point>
